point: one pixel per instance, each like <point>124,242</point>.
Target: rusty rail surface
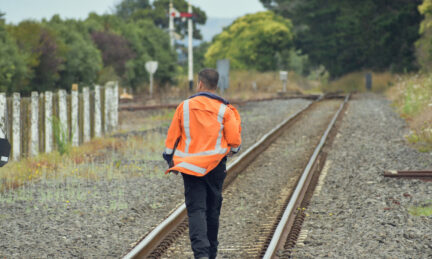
<point>283,229</point>
<point>158,235</point>
<point>408,174</point>
<point>126,107</point>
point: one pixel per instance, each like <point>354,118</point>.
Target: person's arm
<point>174,133</point>
<point>232,129</point>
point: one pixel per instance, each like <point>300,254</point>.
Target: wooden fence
<point>32,123</point>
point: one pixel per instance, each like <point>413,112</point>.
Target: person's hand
<point>168,159</point>
<point>233,151</point>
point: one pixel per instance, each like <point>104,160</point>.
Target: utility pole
<point>190,48</point>
<point>171,23</point>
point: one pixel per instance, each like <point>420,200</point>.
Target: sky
<point>18,10</point>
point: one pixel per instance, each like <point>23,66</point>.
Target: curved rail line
<point>158,236</point>
<point>287,221</point>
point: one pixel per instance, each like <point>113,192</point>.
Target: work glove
<point>235,150</point>
<point>168,159</point>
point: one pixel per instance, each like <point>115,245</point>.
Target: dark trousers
<point>203,197</point>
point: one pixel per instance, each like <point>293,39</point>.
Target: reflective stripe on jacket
<point>207,129</point>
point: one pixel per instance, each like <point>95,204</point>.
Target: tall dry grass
<point>355,82</point>
<point>412,98</point>
<point>244,85</point>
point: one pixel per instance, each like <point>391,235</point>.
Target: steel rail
<point>279,238</point>
<point>146,246</point>
<point>132,107</point>
<point>408,174</point>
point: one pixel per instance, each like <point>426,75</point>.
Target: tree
<point>424,44</point>
<point>126,8</point>
<point>39,47</point>
<point>351,35</point>
<point>82,60</point>
<point>115,50</point>
<point>252,42</point>
<point>148,43</point>
<point>158,12</point>
<point>12,63</point>
<point>199,56</point>
<point>145,40</point>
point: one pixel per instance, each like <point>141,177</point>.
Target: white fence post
<point>48,122</point>
<point>16,126</point>
<point>86,114</point>
<point>62,104</point>
<point>74,116</point>
<point>34,124</point>
<point>97,113</point>
<point>3,109</point>
<point>107,117</point>
<point>115,105</point>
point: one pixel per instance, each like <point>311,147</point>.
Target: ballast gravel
<point>358,213</point>
<point>87,218</point>
<point>254,200</point>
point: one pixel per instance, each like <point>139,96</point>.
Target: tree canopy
<point>424,44</point>
<point>350,35</point>
<point>13,68</point>
<point>252,42</point>
<point>55,53</point>
<point>157,11</point>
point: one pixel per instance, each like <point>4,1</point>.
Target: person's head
<point>207,80</point>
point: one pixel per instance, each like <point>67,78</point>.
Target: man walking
<point>204,130</point>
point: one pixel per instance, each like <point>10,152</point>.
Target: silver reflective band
<point>168,151</point>
<point>4,158</point>
<point>221,114</point>
<point>186,123</point>
<point>217,151</point>
<point>192,167</point>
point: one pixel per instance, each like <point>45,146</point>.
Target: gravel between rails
<point>83,218</point>
<point>358,213</point>
<point>253,201</point>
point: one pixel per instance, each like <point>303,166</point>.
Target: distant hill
<point>214,26</point>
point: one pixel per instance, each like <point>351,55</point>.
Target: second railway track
<point>253,204</point>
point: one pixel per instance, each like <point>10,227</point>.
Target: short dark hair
<point>209,77</point>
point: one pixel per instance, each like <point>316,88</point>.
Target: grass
<point>99,158</point>
<point>355,82</point>
<point>63,179</point>
<point>425,210</point>
<point>244,85</point>
<point>412,99</point>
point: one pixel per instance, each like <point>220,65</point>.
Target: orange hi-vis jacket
<point>207,130</point>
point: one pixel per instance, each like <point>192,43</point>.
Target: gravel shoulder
<point>358,213</point>
<point>86,218</point>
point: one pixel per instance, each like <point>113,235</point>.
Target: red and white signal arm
<point>174,13</point>
<point>186,15</point>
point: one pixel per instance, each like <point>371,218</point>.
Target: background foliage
<point>424,44</point>
<point>329,38</point>
<point>55,53</point>
<point>253,41</point>
<point>350,35</point>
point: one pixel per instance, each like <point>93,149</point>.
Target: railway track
<point>155,244</point>
<point>140,107</point>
